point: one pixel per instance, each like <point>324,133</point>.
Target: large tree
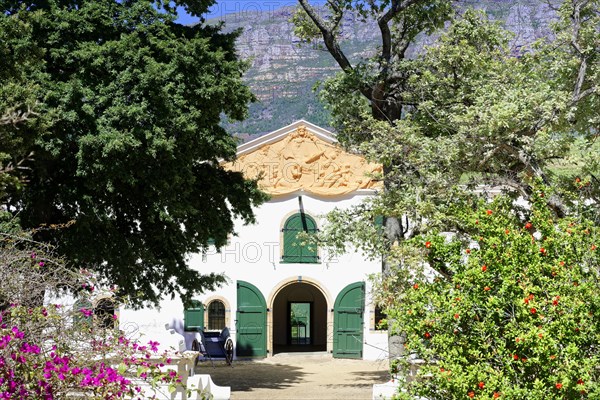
<point>372,88</point>
<point>20,71</point>
<point>472,105</point>
<point>125,177</point>
<point>469,112</point>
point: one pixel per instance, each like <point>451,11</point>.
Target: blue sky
<point>224,7</point>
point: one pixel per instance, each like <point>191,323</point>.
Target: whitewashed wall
<point>254,254</point>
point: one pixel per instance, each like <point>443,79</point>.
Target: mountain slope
<point>284,71</point>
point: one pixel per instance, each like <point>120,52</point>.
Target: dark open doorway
<point>299,319</point>
<point>299,323</point>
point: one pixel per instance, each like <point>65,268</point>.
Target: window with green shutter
<point>82,313</point>
<point>378,222</point>
<point>295,250</point>
<point>193,316</point>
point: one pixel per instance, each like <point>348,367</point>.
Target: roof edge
<point>280,133</point>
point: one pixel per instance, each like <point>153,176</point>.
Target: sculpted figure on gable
<point>302,161</point>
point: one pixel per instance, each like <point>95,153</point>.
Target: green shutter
<point>293,250</point>
<point>79,318</point>
<point>193,316</point>
<point>378,222</point>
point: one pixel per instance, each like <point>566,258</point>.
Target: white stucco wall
<point>254,254</point>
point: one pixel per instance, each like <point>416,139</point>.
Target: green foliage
<point>478,115</point>
<point>130,157</point>
<point>518,317</point>
<point>304,28</point>
<point>57,344</point>
<point>472,109</point>
<point>21,60</point>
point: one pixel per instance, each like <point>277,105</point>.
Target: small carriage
<point>214,344</point>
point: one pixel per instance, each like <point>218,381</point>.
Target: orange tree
<point>517,313</point>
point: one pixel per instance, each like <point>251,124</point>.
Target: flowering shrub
<point>53,349</point>
<point>516,312</point>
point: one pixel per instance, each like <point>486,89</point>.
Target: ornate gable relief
<point>301,161</point>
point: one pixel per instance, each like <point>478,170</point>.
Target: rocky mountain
<point>284,71</point>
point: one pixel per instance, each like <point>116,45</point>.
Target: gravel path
<point>298,376</point>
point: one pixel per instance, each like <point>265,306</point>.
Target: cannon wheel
<point>196,347</point>
<point>228,347</point>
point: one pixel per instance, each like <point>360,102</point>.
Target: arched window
<point>380,319</point>
<point>216,315</point>
<point>104,313</point>
<point>294,249</point>
<point>100,315</point>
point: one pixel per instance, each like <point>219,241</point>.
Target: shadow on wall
<point>177,325</point>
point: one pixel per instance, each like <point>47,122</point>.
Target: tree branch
<point>330,39</point>
<point>386,34</point>
<point>386,37</point>
<point>328,36</point>
<point>15,116</point>
<point>581,74</point>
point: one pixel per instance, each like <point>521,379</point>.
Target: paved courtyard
<point>299,376</point>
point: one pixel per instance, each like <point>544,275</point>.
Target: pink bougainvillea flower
<point>153,346</point>
<point>86,312</point>
<point>17,333</point>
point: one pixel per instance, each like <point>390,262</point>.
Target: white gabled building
<point>284,295</point>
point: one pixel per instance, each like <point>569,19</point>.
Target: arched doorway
<point>299,319</point>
